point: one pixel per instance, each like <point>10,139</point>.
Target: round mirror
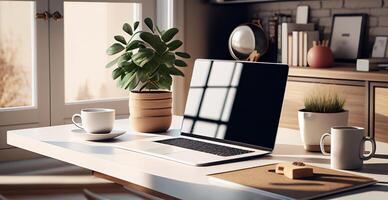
<point>248,42</point>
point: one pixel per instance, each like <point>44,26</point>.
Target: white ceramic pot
<point>313,125</point>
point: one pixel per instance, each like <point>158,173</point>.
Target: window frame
<point>61,111</point>
<point>39,113</point>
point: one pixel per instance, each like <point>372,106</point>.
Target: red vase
<point>320,57</point>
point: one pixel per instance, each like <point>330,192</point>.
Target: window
<point>211,97</point>
<point>24,67</point>
<point>78,58</point>
<point>17,67</point>
<point>50,68</point>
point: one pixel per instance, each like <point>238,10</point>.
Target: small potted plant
<point>145,66</point>
<point>323,109</point>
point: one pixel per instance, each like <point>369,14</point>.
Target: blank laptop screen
<point>237,102</point>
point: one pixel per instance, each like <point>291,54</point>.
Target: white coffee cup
<point>95,120</point>
<point>347,147</point>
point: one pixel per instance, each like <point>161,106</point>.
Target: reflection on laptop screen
<point>235,101</point>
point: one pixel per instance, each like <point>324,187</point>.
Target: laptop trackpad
<point>161,149</point>
<point>164,150</point>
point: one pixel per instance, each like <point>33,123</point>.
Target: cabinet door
<point>296,92</point>
<point>381,114</point>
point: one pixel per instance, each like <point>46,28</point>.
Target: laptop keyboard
<point>196,145</point>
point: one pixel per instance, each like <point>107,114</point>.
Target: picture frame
<point>380,47</point>
<point>347,36</point>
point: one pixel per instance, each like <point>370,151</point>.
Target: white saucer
<point>96,136</point>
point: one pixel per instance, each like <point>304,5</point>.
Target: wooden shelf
<point>339,72</point>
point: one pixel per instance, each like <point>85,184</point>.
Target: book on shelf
<point>282,18</point>
<point>308,38</point>
<point>300,48</point>
<point>287,29</point>
<point>295,49</point>
<point>289,50</point>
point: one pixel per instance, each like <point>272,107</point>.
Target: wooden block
<point>295,170</point>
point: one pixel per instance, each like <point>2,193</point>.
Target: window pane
<point>221,131</point>
<point>237,74</point>
<point>186,126</point>
<point>207,129</point>
<point>193,101</point>
<point>200,73</point>
<point>213,102</point>
<point>221,74</point>
<point>228,105</point>
<point>89,30</point>
<point>17,45</point>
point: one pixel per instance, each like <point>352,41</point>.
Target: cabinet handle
<point>45,15</point>
<point>57,16</point>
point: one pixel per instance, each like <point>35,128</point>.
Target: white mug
<point>347,147</point>
<point>95,120</point>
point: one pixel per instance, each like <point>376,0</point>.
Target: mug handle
<point>369,156</point>
<point>322,144</point>
<point>75,123</point>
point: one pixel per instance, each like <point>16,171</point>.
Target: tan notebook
<point>265,181</point>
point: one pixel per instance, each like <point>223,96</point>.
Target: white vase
<point>313,125</point>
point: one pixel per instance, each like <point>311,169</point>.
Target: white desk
<point>179,180</point>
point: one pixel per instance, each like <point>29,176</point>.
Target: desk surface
<point>179,180</point>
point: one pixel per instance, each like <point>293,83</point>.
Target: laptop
<point>232,113</point>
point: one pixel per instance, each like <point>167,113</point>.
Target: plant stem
<point>130,39</point>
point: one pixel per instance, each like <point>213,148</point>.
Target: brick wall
<point>321,12</point>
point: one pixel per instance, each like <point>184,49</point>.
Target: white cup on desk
<point>347,147</point>
<point>95,120</point>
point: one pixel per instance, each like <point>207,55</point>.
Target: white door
<point>24,66</point>
<point>78,42</point>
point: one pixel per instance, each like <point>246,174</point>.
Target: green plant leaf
<point>117,73</point>
<point>168,59</point>
<point>141,75</point>
<point>159,31</point>
<point>129,79</point>
<point>132,84</point>
<point>143,56</point>
<point>154,41</point>
<point>174,71</point>
<point>125,57</point>
<point>169,34</point>
<point>151,66</point>
<point>153,86</point>
<point>180,63</point>
<point>149,23</point>
<point>165,79</point>
<point>115,48</point>
<point>127,28</point>
<point>113,62</point>
<point>182,54</point>
<point>135,25</point>
<point>121,39</point>
<point>129,66</point>
<point>172,46</point>
<point>134,45</point>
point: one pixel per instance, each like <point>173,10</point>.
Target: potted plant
<point>322,110</point>
<point>145,66</point>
